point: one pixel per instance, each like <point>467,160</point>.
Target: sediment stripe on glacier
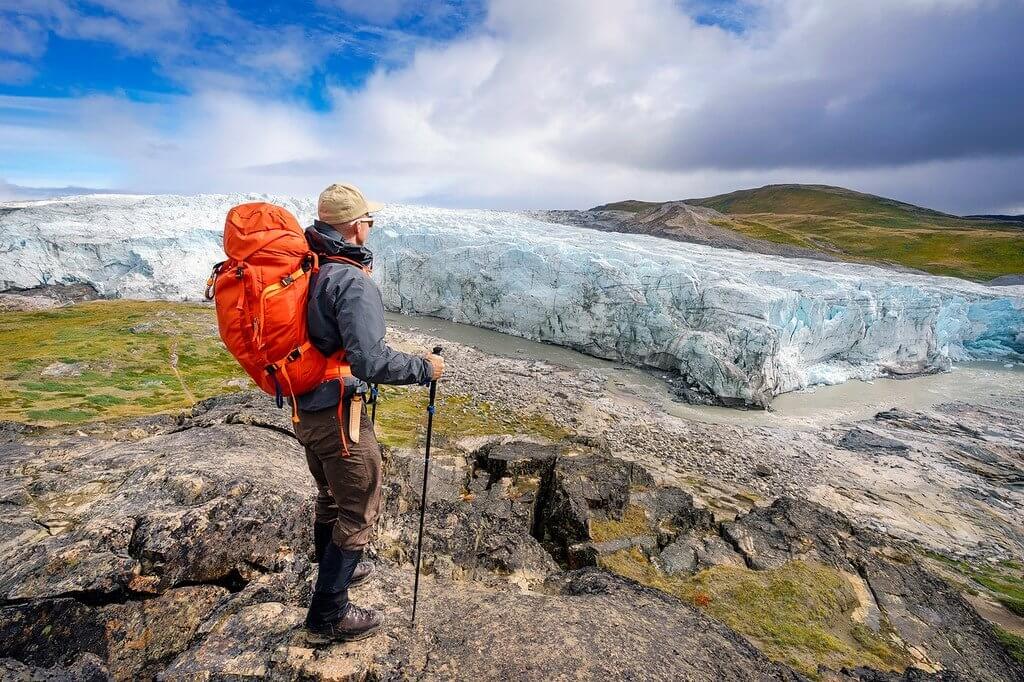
<point>741,327</point>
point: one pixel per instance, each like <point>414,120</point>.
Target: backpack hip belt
<point>338,368</point>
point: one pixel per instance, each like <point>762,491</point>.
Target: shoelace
<point>358,613</point>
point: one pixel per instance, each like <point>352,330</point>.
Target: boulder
<point>515,458</point>
<point>578,488</point>
<point>862,440</point>
<point>790,529</point>
<point>672,510</point>
<point>693,552</point>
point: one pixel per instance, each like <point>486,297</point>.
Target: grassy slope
<point>865,228</point>
<point>130,373</point>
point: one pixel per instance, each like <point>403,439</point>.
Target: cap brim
<point>373,206</point>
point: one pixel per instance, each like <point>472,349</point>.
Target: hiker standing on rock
<point>345,320</point>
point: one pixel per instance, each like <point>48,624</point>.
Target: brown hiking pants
<point>348,487</point>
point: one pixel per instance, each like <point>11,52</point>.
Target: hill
<point>861,227</point>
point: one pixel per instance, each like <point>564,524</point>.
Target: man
<point>345,318</point>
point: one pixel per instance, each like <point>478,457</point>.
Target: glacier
<point>739,328</point>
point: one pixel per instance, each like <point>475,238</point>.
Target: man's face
<point>359,229</point>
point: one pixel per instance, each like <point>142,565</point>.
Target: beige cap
<point>341,204</point>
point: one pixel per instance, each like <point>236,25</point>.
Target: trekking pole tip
<point>437,350</point>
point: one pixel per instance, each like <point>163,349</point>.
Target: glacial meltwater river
<point>984,383</point>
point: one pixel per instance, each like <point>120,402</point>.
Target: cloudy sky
<point>516,103</point>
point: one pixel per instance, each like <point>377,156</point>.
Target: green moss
<point>59,415</point>
<point>1003,581</point>
<point>1008,594</point>
<point>523,485</point>
<point>402,418</point>
<point>633,523</point>
<point>104,400</point>
<point>799,614</point>
<point>1014,644</point>
<point>118,361</point>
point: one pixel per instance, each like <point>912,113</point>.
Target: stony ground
<point>177,549</point>
<point>951,477</point>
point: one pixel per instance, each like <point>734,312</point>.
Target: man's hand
<point>436,365</point>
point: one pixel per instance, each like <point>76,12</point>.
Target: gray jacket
<point>346,311</point>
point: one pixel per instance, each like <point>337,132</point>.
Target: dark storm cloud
<point>923,81</point>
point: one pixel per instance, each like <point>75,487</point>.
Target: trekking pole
<point>374,392</point>
<point>423,497</point>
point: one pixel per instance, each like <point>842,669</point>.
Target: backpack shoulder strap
<point>346,261</point>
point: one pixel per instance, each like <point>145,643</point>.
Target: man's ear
<point>347,230</point>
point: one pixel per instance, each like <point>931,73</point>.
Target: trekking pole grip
<point>433,383</point>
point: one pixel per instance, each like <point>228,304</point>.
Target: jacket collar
<point>324,240</point>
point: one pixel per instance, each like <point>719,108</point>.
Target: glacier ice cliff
<point>738,327</point>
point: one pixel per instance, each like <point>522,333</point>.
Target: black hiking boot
<point>357,623</point>
<point>331,617</point>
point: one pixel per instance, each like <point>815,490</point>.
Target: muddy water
<point>985,383</point>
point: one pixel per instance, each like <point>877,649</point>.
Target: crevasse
<point>738,327</point>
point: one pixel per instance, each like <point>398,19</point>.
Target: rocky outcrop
<point>582,629</point>
<point>122,549</point>
<point>45,296</point>
<point>478,526</point>
<point>929,617</point>
<point>177,550</point>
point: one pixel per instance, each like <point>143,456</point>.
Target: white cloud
<point>22,36</point>
<point>578,102</point>
<point>187,40</point>
<point>14,72</point>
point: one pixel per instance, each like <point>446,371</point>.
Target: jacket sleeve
<point>359,311</point>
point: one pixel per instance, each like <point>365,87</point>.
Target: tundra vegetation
<point>867,229</point>
<point>109,359</point>
<point>801,614</point>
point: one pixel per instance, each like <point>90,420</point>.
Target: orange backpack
<point>261,293</point>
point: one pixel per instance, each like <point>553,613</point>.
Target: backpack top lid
<point>252,227</point>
